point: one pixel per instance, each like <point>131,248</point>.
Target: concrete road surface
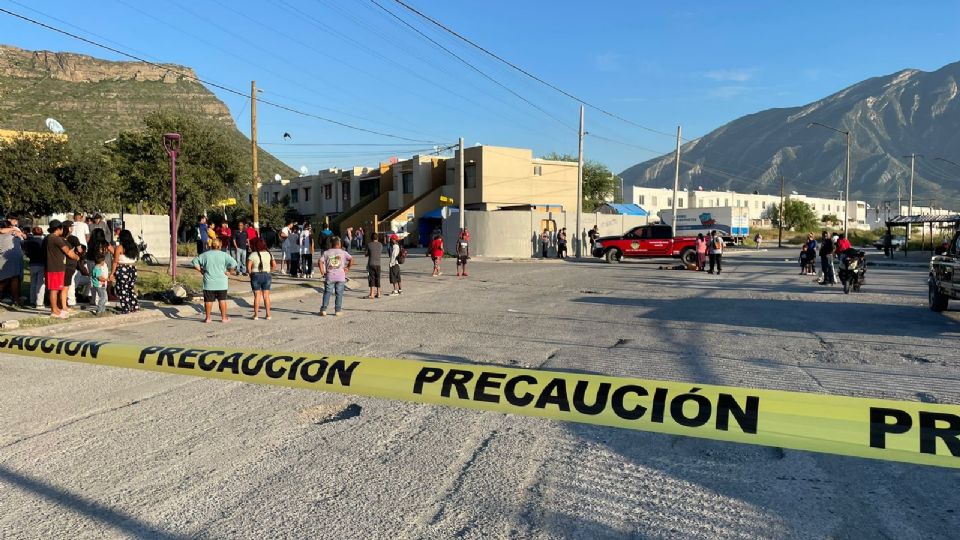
<point>92,452</point>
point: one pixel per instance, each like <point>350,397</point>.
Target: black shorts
<point>214,296</point>
<point>373,276</point>
<point>395,274</point>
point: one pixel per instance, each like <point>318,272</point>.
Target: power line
<point>463,38</point>
<point>207,82</point>
<point>472,66</point>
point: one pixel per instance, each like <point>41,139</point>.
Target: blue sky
<point>658,64</point>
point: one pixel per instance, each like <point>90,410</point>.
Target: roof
<point>628,209</point>
<point>943,218</point>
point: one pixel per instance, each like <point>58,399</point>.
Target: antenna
<point>54,126</point>
<point>304,170</point>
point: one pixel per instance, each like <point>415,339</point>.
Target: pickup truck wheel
<point>612,256</point>
<point>688,256</point>
<point>938,302</point>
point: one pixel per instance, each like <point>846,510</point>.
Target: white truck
<point>733,222</point>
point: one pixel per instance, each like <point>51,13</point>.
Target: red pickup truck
<point>646,242</point>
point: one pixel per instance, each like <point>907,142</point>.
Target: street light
<point>846,203</point>
<point>171,143</point>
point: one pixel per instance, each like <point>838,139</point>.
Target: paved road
<point>99,452</point>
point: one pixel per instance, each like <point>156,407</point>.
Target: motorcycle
<point>853,269</point>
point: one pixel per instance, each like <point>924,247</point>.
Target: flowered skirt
<point>126,288</point>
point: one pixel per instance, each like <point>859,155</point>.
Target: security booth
<point>931,226</point>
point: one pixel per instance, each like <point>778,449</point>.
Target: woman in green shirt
<point>215,266</point>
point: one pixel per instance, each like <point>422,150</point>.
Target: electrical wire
<point>205,81</point>
<point>472,66</point>
<point>499,58</point>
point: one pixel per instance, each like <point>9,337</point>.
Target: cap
<point>54,225</point>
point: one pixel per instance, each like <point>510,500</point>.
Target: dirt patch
<point>325,413</point>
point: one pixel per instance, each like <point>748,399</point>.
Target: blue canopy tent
<point>430,222</point>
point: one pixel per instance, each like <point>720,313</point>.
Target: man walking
<point>715,250</point>
<point>826,259</point>
<point>463,251</point>
<point>373,250</point>
<point>203,234</point>
<point>240,243</point>
<point>57,251</point>
<point>395,261</point>
<point>334,265</point>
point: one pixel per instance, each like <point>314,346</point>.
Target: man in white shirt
<point>81,230</point>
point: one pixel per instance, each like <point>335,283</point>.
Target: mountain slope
<point>889,117</point>
<point>95,99</point>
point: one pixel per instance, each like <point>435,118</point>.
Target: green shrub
<point>188,249</point>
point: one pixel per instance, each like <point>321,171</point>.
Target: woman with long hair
<point>260,264</point>
<point>124,272</point>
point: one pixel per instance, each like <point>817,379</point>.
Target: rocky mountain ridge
<point>889,117</point>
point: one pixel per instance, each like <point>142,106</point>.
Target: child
<point>98,280</point>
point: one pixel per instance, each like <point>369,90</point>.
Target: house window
<point>328,191</point>
<point>653,201</point>
<point>276,196</point>
<point>306,194</point>
<point>670,202</point>
<point>726,202</point>
<point>680,203</point>
<point>538,170</point>
<point>640,200</point>
<point>407,178</point>
<point>763,204</point>
<point>345,189</point>
<point>470,175</point>
<point>294,195</point>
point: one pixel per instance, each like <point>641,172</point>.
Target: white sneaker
<point>323,313</point>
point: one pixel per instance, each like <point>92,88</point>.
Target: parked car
<point>944,279</point>
<point>646,242</point>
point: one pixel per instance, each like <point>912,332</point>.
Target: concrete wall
<point>516,234</point>
<point>156,230</point>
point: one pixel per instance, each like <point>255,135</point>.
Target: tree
<point>208,167</point>
<point>599,184</point>
<point>31,176</point>
<point>797,215</point>
<point>830,219</point>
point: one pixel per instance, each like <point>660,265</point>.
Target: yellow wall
<point>505,177</point>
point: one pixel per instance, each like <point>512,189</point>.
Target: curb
<point>152,311</point>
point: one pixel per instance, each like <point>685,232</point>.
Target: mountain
<point>95,99</point>
<point>889,117</point>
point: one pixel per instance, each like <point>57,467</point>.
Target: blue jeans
<point>328,288</point>
<point>242,260</point>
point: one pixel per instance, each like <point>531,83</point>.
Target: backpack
<point>402,256</point>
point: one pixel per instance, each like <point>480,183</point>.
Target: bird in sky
<point>286,136</point>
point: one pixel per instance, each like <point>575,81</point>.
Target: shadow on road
<point>790,315</point>
<point>115,519</point>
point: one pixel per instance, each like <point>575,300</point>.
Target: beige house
<point>497,178</point>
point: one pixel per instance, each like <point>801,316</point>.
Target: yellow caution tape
<point>904,431</point>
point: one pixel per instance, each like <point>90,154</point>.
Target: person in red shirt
<point>843,244</point>
<point>251,232</point>
<point>436,252</point>
<point>226,237</point>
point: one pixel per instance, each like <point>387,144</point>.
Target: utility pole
<point>780,216</point>
<point>913,159</point>
<point>462,182</point>
<point>846,203</point>
<point>676,185</point>
<point>579,252</point>
<point>255,197</point>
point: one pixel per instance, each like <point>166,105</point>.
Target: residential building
<point>501,178</point>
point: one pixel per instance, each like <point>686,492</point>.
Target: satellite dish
<point>794,193</point>
<point>304,170</point>
<point>277,177</point>
<point>54,126</point>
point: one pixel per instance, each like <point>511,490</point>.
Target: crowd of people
<point>223,252</point>
<point>828,249</point>
<point>70,262</point>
